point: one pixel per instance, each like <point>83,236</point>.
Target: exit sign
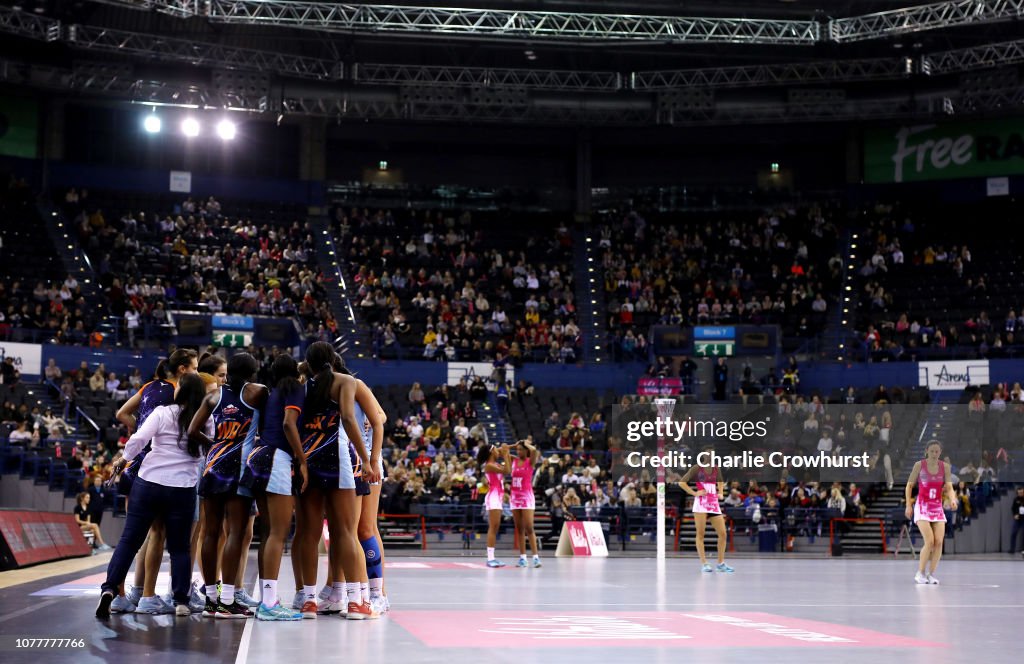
<point>713,349</point>
<point>232,339</point>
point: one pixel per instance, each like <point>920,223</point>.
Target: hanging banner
<point>944,151</point>
<point>19,127</point>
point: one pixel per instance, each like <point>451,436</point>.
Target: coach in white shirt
<point>165,488</point>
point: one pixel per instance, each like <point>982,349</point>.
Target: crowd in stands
<point>55,312</point>
<point>924,293</point>
<point>198,256</point>
<point>442,286</point>
<point>778,268</point>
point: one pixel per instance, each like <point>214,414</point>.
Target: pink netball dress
<point>928,506</point>
<point>522,485</point>
<point>707,479</point>
<point>495,491</point>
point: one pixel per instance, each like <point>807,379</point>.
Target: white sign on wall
<point>28,358</point>
<point>181,181</point>
<point>469,370</point>
<point>998,186</point>
<point>952,375</point>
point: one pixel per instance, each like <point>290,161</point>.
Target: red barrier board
<point>36,537</point>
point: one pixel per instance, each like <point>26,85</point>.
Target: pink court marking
<point>601,629</point>
<point>434,566</point>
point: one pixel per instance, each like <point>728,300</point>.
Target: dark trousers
<point>1018,527</point>
<point>176,505</point>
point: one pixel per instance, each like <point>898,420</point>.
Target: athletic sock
<point>364,592</point>
<point>337,592</point>
<point>227,594</point>
<point>309,593</point>
<point>536,556</point>
<point>490,553</point>
<point>352,592</point>
<point>522,556</point>
<point>211,592</point>
<point>376,587</point>
<point>269,592</point>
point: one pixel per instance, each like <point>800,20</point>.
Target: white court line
<point>577,605</point>
<point>243,646</point>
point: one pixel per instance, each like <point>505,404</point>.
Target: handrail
<point>78,410</point>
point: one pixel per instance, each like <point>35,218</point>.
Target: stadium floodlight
<point>152,124</point>
<point>190,127</point>
<point>226,129</point>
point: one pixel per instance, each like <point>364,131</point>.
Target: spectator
<point>721,379</point>
<point>52,371</point>
<point>1017,511</point>
<point>83,518</point>
<point>97,498</point>
<point>24,435</point>
<point>98,381</point>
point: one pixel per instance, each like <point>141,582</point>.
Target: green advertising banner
<point>19,124</point>
<point>913,153</point>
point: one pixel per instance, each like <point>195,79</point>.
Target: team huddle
<point>308,446</point>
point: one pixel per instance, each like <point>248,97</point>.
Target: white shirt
<point>166,464</point>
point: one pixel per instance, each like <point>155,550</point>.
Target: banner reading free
<point>19,122</point>
<point>913,153</point>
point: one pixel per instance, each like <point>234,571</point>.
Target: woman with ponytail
<point>331,419</point>
<point>268,473</point>
<point>163,489</point>
<point>235,410</point>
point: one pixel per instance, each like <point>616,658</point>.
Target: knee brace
<point>374,568</point>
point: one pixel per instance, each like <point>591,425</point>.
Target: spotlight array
<point>191,127</point>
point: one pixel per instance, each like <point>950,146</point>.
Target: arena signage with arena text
<point>952,375</point>
<point>469,370</point>
<point>944,151</point>
<point>28,358</point>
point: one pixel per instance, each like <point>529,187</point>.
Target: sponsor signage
<point>582,538</point>
<point>654,386</point>
<point>952,375</point>
<point>28,358</point>
<point>31,537</point>
<point>914,153</point>
<point>470,370</point>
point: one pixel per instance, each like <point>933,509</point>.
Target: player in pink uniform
<point>932,478</point>
<point>494,462</point>
<point>709,489</point>
<point>522,500</point>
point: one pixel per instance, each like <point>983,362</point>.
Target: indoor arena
<point>516,331</point>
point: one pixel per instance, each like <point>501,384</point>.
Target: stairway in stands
<point>498,429</point>
<point>590,302</point>
<point>353,340</point>
<point>69,251</point>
